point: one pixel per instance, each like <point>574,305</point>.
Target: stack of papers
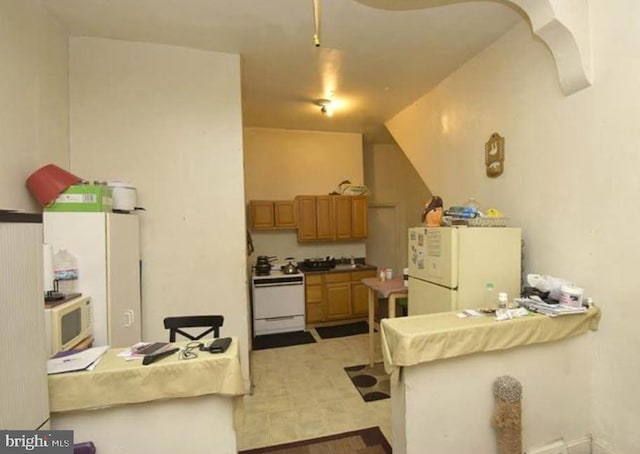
<point>549,309</point>
<point>83,360</point>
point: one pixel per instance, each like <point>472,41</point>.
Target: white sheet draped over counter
<point>408,341</point>
<point>116,381</point>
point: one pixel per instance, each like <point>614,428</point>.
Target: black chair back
<point>211,322</point>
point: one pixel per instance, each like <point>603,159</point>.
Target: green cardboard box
<point>83,197</point>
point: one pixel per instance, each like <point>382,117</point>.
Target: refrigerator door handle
<point>128,318</point>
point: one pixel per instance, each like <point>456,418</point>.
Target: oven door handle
<point>281,284</point>
<point>273,319</point>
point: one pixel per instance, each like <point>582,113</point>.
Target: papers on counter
<point>552,310</point>
<point>83,360</point>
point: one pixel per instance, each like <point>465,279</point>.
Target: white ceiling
<point>376,61</point>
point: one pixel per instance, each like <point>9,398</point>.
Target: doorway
<point>383,244</point>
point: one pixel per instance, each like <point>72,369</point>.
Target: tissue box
<point>83,197</point>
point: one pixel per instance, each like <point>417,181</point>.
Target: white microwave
<point>67,324</point>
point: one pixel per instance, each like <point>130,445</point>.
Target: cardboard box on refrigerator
<point>83,197</point>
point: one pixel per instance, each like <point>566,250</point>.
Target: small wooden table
<point>392,289</point>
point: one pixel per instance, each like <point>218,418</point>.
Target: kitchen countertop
<point>408,341</point>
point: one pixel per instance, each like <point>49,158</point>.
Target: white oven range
<point>278,303</point>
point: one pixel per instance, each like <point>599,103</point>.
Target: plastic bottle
<point>503,301</point>
<point>474,206</point>
<point>65,271</point>
<point>489,296</point>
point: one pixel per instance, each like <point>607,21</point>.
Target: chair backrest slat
<point>211,322</point>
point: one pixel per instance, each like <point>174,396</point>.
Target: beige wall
<point>281,164</point>
<point>395,187</point>
<point>33,98</point>
<point>571,181</point>
<point>168,120</point>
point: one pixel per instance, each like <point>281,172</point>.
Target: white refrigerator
<point>450,267</point>
<point>107,248</point>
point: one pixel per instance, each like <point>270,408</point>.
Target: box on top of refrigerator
<point>83,197</point>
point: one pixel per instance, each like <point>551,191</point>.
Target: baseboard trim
<point>587,445</point>
<point>580,445</point>
<point>600,447</point>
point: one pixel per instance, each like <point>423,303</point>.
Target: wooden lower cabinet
<point>314,309</point>
<point>336,296</point>
<point>359,300</point>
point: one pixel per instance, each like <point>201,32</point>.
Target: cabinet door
<point>315,313</point>
<point>338,301</point>
<point>338,295</point>
<point>360,292</point>
<point>360,299</point>
<point>262,214</point>
<point>306,217</point>
<point>314,302</point>
<point>359,217</point>
<point>325,218</point>
<point>285,214</point>
<point>343,211</point>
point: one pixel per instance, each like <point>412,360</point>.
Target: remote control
<point>148,359</point>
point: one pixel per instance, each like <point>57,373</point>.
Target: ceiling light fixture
<point>326,107</point>
<point>316,21</point>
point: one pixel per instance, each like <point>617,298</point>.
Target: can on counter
<point>571,296</point>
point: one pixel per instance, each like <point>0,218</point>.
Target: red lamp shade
<point>48,182</point>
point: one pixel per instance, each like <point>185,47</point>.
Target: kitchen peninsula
<point>444,368</point>
<point>123,406</point>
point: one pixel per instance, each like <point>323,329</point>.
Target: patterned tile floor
<point>303,392</point>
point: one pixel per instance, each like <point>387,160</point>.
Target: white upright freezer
<point>449,267</point>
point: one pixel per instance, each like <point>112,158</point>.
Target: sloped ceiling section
<point>562,24</point>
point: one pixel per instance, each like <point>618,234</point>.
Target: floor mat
<point>350,329</point>
<point>282,340</point>
<point>369,440</point>
<point>372,382</point>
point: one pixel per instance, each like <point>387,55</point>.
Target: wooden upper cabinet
<point>343,212</point>
<point>326,218</point>
<point>262,214</point>
<point>268,214</point>
<point>359,217</point>
<point>306,217</point>
<point>285,214</point>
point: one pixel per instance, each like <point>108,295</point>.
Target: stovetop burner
<point>317,264</point>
